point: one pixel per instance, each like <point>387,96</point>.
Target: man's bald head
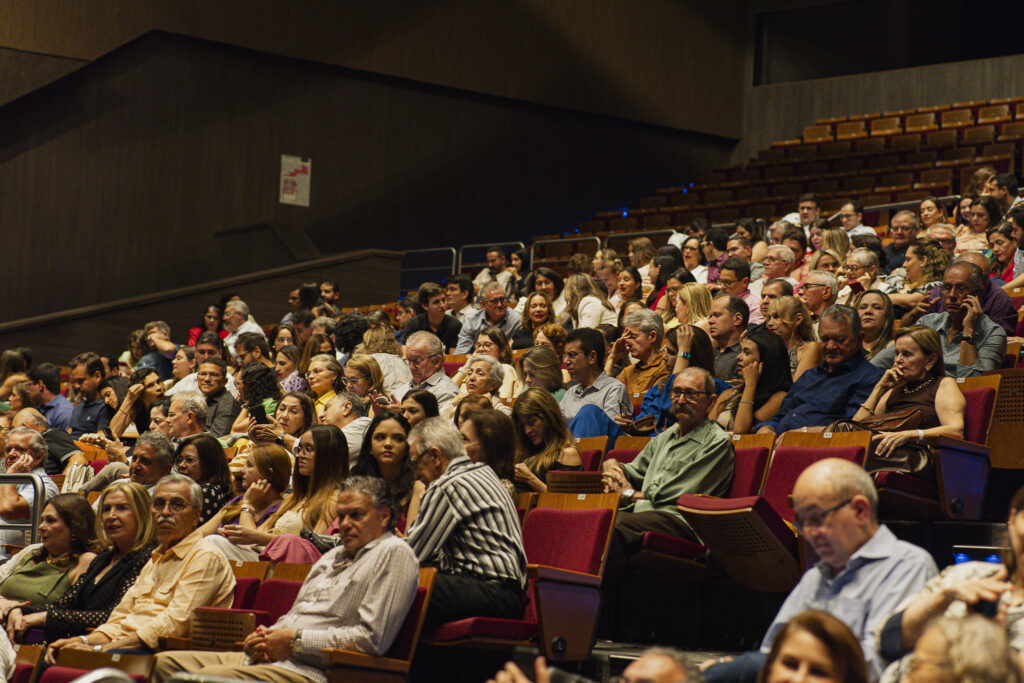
<point>31,418</point>
<point>661,665</point>
<point>974,257</point>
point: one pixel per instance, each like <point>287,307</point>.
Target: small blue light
<point>576,230</point>
<point>686,189</point>
<point>691,184</point>
<point>960,558</point>
<point>625,212</point>
<point>994,559</point>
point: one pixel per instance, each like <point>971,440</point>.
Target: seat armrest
<point>361,660</point>
<point>546,573</point>
<point>951,442</point>
<point>175,643</point>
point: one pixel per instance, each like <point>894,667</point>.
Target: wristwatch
<point>628,494</point>
<point>279,439</point>
<point>297,643</point>
<point>969,338</point>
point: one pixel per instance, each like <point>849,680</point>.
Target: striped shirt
<point>352,603</point>
<point>467,525</point>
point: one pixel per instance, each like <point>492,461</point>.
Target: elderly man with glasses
<point>424,353</point>
<point>972,343</point>
<point>494,311</point>
<point>864,572</point>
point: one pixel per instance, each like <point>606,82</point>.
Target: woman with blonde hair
<point>693,305</point>
<point>641,253</point>
<point>790,319</point>
<point>379,342</point>
<point>543,441</point>
<point>587,302</point>
<point>363,377</point>
<point>877,320</point>
<point>542,369</point>
<point>828,260</point>
<point>836,240</point>
<point>537,311</point>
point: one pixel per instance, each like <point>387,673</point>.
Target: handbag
<point>912,457</point>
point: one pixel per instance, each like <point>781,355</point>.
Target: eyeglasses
<point>811,284</point>
<point>497,301</point>
<point>690,395</point>
<point>726,283</point>
<point>960,289</point>
<point>413,360</point>
<point>175,504</point>
<point>209,375</point>
<point>816,520</point>
<point>855,267</point>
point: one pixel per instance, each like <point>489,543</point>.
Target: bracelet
<point>685,354</point>
<point>920,435</point>
<point>246,508</point>
<point>84,640</point>
<point>747,402</point>
<point>865,407</point>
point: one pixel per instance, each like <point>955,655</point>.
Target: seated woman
<point>295,415</point>
<point>41,573</point>
<point>876,320</point>
<point>287,364</point>
<point>385,454</point>
<point>13,366</point>
<point>145,389</point>
<point>917,379</point>
<point>693,260</point>
<point>764,380</point>
<point>242,528</point>
<point>985,213</point>
<point>537,311</point>
<point>213,321</point>
<point>19,397</point>
<point>789,318</point>
<point>1004,248</point>
<point>325,378</point>
<point>418,405</point>
<point>126,536</point>
<point>827,260</point>
<point>587,302</point>
<point>925,264</point>
<point>492,342</point>
<point>257,386</point>
<point>469,404</point>
<point>549,282</point>
<point>183,365</point>
<point>630,287</point>
<point>363,378</point>
<point>753,230</point>
<point>693,306</point>
<point>815,646</point>
<point>931,211</point>
<point>543,441</point>
<point>489,438</point>
<point>284,335</point>
<point>484,377</point>
<point>201,458</point>
<point>542,369</point>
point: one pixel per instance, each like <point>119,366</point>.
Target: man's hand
<point>266,645</point>
<point>20,466</point>
<point>513,674</point>
<point>619,349</point>
<point>972,315</point>
<point>613,477</point>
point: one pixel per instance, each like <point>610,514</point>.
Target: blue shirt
<point>877,578</point>
<point>822,396</point>
<point>89,417</point>
<point>989,340</point>
<point>607,393</point>
<point>477,321</point>
<point>58,412</point>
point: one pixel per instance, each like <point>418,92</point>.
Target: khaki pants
<point>227,664</point>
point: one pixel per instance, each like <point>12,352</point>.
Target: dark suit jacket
<point>222,409</point>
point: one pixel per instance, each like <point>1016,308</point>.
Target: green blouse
<point>38,582</point>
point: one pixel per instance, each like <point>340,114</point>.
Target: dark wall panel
<point>116,177</point>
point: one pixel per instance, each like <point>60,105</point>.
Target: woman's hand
<point>264,433</point>
<point>751,373</point>
<point>116,451</point>
<point>987,589</point>
<point>240,535</point>
<point>523,475</point>
<point>256,492</point>
<point>134,391</point>
<point>886,442</point>
<point>893,377</point>
<point>684,338</point>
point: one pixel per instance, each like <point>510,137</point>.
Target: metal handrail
<point>38,503</point>
<point>427,251</point>
<point>458,260</point>
<point>641,233</point>
<point>899,205</point>
<point>562,240</point>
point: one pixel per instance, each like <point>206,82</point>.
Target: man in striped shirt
<point>467,527</point>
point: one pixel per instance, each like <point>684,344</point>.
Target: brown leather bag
<point>912,457</point>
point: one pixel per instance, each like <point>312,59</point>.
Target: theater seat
<point>72,663</point>
<point>565,549</point>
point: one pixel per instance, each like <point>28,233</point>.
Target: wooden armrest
<point>953,443</point>
<point>174,643</point>
<point>361,660</point>
<point>546,573</point>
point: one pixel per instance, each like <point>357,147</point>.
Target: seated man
<point>90,415</point>
<point>156,337</point>
<point>347,412</point>
<point>467,527</point>
<point>851,217</point>
<point>818,292</point>
<point>425,354</point>
<point>903,226</point>
<point>208,344</point>
<point>863,573</point>
<point>355,597</point>
<point>183,574</point>
<point>739,247</point>
<point>44,392</point>
<point>152,459</point>
<point>186,415</point>
<point>835,389</point>
<point>221,406</point>
<point>61,451</point>
<point>237,321</point>
<point>24,451</point>
<point>972,344</point>
<point>995,302</point>
<point>735,280</point>
<point>591,395</point>
<point>728,322</point>
<point>253,348</point>
<point>778,264</point>
<point>694,456</point>
<point>862,274</point>
<point>495,311</point>
<point>433,317</point>
<point>772,290</point>
<point>459,297</point>
<point>642,334</point>
<point>495,271</point>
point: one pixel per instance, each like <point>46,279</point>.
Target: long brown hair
<point>540,404</point>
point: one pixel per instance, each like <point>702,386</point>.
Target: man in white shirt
<point>458,293</point>
<point>495,270</point>
<point>347,412</point>
<point>24,452</point>
<point>236,321</point>
<point>850,215</point>
<point>778,263</point>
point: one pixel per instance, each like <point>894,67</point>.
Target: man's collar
<point>343,556</point>
<point>580,388</point>
<point>881,545</point>
<point>847,365</point>
<point>181,548</point>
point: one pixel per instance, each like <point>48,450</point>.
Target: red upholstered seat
<point>906,484</point>
<point>273,598</point>
<point>451,368</point>
<point>567,539</point>
<point>245,592</point>
<point>485,627</point>
<point>63,674</point>
<point>98,465</point>
<point>592,459</point>
<point>787,464</point>
<point>623,455</point>
<point>748,471</point>
<point>977,413</point>
<point>22,673</point>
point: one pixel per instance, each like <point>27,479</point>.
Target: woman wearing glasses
<point>693,260</point>
<point>325,379</point>
<point>492,342</point>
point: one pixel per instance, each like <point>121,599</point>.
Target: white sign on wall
<point>295,176</point>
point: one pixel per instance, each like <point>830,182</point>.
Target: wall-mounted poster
<point>295,177</point>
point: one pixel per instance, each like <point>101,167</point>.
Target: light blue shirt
<point>989,340</point>
<point>607,393</point>
<point>475,323</point>
<point>879,576</point>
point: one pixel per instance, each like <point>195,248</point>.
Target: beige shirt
<point>172,584</point>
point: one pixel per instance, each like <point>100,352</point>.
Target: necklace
<point>925,382</point>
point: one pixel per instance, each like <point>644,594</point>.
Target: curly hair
<point>259,382</point>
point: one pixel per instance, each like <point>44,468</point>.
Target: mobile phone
<point>382,401</point>
<point>258,413</point>
<point>109,434</point>
<point>986,608</point>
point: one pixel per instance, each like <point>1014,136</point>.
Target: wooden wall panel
<point>117,177</point>
<point>363,278</point>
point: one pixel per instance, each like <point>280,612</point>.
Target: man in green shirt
<point>693,456</point>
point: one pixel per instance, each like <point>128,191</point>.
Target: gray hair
<point>439,433</point>
<point>916,223</point>
<point>359,406</point>
<point>864,256</point>
<point>427,339</point>
<point>941,226</point>
<point>709,381</point>
<point>378,491</point>
<point>829,280</point>
<point>489,287</point>
<point>32,416</point>
<point>324,322</point>
<point>843,314</point>
<point>194,403</point>
<point>977,650</point>
<point>648,321</point>
<point>977,274</point>
<point>161,445</point>
<point>690,671</point>
<point>37,444</point>
<point>493,364</point>
<point>848,479</point>
<point>783,252</point>
<point>158,325</point>
<point>195,493</point>
<point>332,363</point>
<point>237,305</point>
